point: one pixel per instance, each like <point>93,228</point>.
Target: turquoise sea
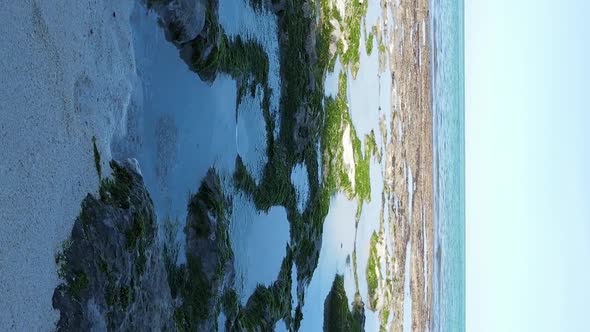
<point>449,169</point>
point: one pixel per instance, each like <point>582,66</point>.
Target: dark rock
<point>306,122</point>
<point>337,316</point>
<point>116,274</point>
<point>358,313</point>
<point>183,20</point>
<point>278,6</point>
<point>192,25</point>
<point>198,285</point>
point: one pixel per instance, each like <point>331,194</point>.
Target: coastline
<point>409,162</point>
<point>90,77</point>
<point>68,70</point>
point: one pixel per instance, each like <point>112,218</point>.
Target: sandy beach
<point>67,69</point>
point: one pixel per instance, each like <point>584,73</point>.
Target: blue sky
<point>527,159</point>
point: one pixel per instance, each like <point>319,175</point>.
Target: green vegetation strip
<point>373,271</point>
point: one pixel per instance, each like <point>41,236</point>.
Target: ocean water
<point>449,168</point>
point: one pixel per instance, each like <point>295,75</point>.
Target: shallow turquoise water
<point>449,169</point>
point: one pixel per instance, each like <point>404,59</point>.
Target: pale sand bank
<point>66,69</point>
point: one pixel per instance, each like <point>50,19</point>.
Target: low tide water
<point>449,168</point>
<point>183,126</point>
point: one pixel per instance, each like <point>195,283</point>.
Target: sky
<point>527,140</point>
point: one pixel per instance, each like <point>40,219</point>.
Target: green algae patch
<point>338,122</point>
<point>197,285</point>
<point>337,316</point>
<point>190,284</point>
<point>373,271</point>
<point>370,40</point>
<point>345,28</point>
<point>267,305</point>
<point>115,191</point>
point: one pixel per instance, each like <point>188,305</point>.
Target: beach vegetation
<point>382,49</point>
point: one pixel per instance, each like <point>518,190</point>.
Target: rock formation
<point>116,274</point>
<point>337,316</point>
<point>112,268</point>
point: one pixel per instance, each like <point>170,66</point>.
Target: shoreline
<point>67,68</point>
<point>410,160</point>
<point>88,78</point>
